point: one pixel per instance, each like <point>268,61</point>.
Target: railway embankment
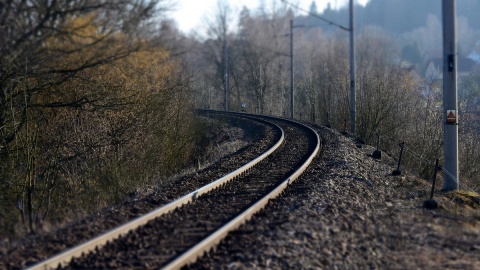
<point>348,212</point>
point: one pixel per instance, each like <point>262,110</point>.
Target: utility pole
<point>450,96</point>
<point>353,108</point>
<point>352,59</point>
<point>225,70</point>
<point>291,70</point>
<point>292,76</point>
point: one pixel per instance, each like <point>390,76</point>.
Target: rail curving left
<point>181,231</point>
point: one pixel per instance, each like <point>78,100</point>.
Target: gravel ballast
<point>253,139</point>
<point>345,212</point>
<point>348,212</point>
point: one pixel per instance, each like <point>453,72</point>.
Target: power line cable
<point>415,155</point>
<point>318,17</point>
<point>463,185</point>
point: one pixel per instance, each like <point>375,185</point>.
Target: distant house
<point>474,56</point>
<point>434,69</point>
<point>412,70</point>
<point>434,74</point>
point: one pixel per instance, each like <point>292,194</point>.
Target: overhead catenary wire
<point>316,16</point>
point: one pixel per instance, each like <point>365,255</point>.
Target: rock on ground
<point>348,212</point>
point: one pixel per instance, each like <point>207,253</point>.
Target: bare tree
<point>51,59</point>
<point>217,49</point>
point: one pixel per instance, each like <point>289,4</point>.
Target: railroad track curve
<point>181,231</point>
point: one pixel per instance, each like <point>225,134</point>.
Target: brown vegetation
<point>90,110</point>
<point>394,100</point>
<point>95,101</point>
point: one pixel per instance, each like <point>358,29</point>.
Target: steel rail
<point>77,251</point>
<point>205,245</point>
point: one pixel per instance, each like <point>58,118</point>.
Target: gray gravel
<point>256,137</point>
<point>154,244</point>
<point>348,212</point>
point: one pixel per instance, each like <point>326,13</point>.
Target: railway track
<point>179,232</point>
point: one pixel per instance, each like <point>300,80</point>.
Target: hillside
<point>348,211</point>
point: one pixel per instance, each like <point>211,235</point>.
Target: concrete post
<point>353,110</point>
<point>291,71</point>
<point>450,103</point>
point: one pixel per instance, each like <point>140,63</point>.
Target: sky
<point>190,14</point>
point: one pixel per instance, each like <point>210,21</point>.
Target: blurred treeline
<point>97,96</point>
<point>92,106</point>
<point>394,97</point>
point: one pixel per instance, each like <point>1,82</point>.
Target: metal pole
<point>225,75</point>
<point>434,178</point>
<point>291,69</point>
<point>450,104</point>
<point>260,85</point>
<point>397,171</point>
<point>352,72</point>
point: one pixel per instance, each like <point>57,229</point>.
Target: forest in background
<point>97,97</point>
<point>409,22</point>
<point>93,106</point>
<point>396,98</point>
